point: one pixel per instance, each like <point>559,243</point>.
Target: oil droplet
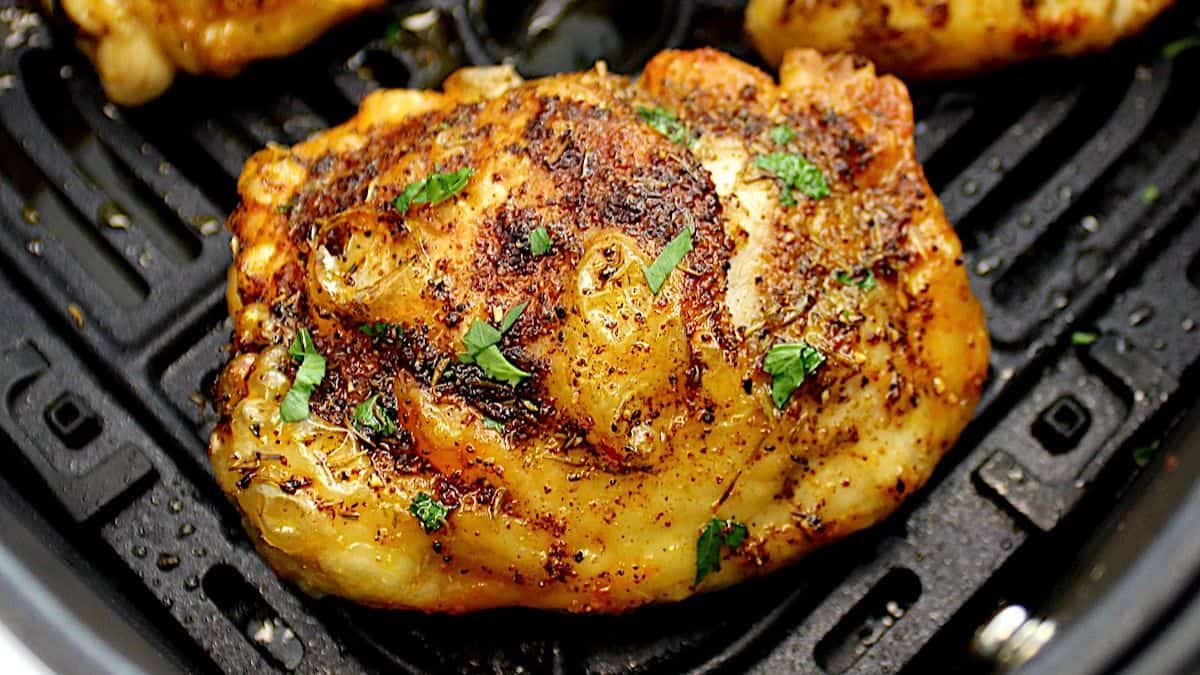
<point>970,187</point>
<point>112,216</point>
<point>1026,220</point>
<point>145,258</point>
<point>186,530</point>
<point>1090,224</point>
<point>7,82</point>
<point>191,583</point>
<point>1140,315</point>
<point>35,246</point>
<point>995,163</point>
<point>1188,325</point>
<point>175,505</point>
<point>200,552</point>
<point>208,225</point>
<point>985,266</point>
<point>168,602</point>
<point>110,111</point>
<point>167,561</point>
<point>76,313</point>
<point>139,551</point>
<point>66,72</point>
<point>1064,193</point>
<point>31,215</point>
<point>164,169</point>
<point>1089,264</point>
<point>1059,300</point>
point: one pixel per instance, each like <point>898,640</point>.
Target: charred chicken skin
<point>588,343</point>
<point>138,45</point>
<point>946,38</point>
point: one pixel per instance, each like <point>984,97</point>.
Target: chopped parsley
<point>657,272</point>
<point>380,329</point>
<point>480,345</point>
<point>499,368</point>
<point>789,364</point>
<point>437,188</point>
<point>782,134</point>
<point>285,209</point>
<point>864,280</point>
<point>717,533</point>
<point>430,512</point>
<point>489,423</point>
<point>294,407</point>
<point>795,173</point>
<point>666,123</point>
<point>370,415</point>
<point>539,242</point>
<point>1174,49</point>
<point>1082,339</point>
<point>1150,194</point>
<point>1143,454</point>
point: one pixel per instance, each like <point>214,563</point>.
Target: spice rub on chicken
<point>946,38</point>
<point>138,45</point>
<point>590,343</point>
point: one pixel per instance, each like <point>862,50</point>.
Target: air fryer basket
<point>1074,187</point>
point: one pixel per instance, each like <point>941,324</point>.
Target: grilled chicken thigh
<point>945,38</point>
<point>586,343</point>
<point>137,45</point>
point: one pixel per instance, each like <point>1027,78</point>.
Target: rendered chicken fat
<point>645,415</point>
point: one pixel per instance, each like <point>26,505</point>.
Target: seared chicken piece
<point>945,38</point>
<point>427,474</point>
<point>137,45</point>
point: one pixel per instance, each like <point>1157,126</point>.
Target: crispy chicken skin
<point>945,38</point>
<point>646,415</point>
<point>137,45</point>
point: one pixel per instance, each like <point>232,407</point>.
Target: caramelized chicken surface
<point>647,446</point>
<point>945,38</point>
<point>138,45</point>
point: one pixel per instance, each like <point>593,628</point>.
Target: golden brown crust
<point>945,38</point>
<point>137,45</point>
<point>646,415</point>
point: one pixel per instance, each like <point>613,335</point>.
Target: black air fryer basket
<point>1074,187</point>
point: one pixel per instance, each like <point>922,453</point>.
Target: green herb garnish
<point>285,209</point>
<point>717,533</point>
<point>480,345</point>
<point>1173,49</point>
<point>437,188</point>
<point>499,368</point>
<point>795,173</point>
<point>657,272</point>
<point>864,280</point>
<point>294,407</point>
<point>380,328</point>
<point>370,415</point>
<point>489,423</point>
<point>666,123</point>
<point>430,512</point>
<point>1150,194</point>
<point>1143,454</point>
<point>789,364</point>
<point>539,242</point>
<point>1082,339</point>
<point>782,134</point>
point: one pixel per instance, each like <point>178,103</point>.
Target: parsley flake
<point>1143,454</point>
<point>437,188</point>
<point>789,364</point>
<point>864,280</point>
<point>666,123</point>
<point>1150,194</point>
<point>285,209</point>
<point>717,533</point>
<point>782,134</point>
<point>1082,339</point>
<point>539,242</point>
<point>795,173</point>
<point>480,345</point>
<point>294,407</point>
<point>656,273</point>
<point>380,329</point>
<point>370,415</point>
<point>1174,49</point>
<point>499,368</point>
<point>489,423</point>
<point>430,512</point>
